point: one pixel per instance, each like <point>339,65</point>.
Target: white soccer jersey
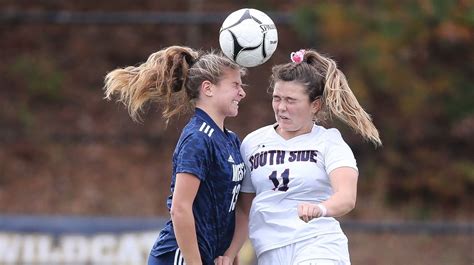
<point>284,173</point>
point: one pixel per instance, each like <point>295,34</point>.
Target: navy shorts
<point>170,258</point>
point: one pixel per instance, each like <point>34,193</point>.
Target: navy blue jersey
<point>213,156</point>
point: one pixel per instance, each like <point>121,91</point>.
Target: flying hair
<point>170,77</point>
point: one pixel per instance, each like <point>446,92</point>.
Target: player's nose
<point>242,92</point>
<point>282,105</point>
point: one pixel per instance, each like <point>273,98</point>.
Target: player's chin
<point>286,126</point>
<point>233,113</point>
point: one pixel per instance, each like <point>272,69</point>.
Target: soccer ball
<point>248,37</point>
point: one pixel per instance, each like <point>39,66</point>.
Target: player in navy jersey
<point>207,165</point>
<point>300,175</point>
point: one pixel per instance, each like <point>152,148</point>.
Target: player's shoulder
<point>232,134</point>
<point>321,137</point>
<point>334,134</point>
<point>322,132</point>
<point>258,134</point>
<point>330,136</point>
<point>197,131</point>
<point>233,137</point>
<point>200,128</point>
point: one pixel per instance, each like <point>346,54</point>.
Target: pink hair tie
<point>297,57</point>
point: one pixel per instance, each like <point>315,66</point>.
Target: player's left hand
<point>225,260</point>
<point>308,211</point>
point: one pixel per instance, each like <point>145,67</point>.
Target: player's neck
<point>218,119</point>
<point>287,134</point>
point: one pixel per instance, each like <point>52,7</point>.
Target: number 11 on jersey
<point>284,177</point>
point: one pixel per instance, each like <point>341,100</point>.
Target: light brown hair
<point>170,77</point>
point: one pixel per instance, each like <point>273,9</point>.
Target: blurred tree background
<point>411,64</point>
<point>65,150</point>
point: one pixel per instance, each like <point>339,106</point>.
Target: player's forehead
<point>289,89</point>
<point>230,75</point>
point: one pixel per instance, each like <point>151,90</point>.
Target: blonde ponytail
<point>339,100</point>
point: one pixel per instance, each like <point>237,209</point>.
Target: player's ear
<point>207,88</point>
<point>316,105</point>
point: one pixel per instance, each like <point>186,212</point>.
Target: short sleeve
<point>247,185</point>
<point>193,156</point>
<point>337,153</point>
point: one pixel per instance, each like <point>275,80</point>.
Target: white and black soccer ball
<point>249,37</point>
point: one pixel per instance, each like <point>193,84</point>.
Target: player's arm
<point>185,191</point>
<point>241,230</point>
<point>344,185</point>
<point>343,200</point>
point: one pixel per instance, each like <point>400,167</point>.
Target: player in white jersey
<point>301,175</point>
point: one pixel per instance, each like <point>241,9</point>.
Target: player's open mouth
<point>235,102</point>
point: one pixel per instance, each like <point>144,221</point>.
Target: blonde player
<point>207,164</point>
<point>301,175</point>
